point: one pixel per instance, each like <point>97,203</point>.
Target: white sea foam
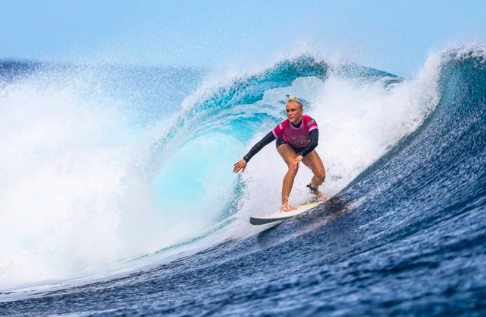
<point>61,162</point>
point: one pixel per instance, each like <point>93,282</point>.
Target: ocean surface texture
<point>117,196</point>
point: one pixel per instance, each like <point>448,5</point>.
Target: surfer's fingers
<point>296,163</point>
<point>238,167</point>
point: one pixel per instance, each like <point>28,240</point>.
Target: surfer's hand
<point>297,160</point>
<point>239,166</point>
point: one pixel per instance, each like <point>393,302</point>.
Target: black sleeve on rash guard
<point>314,140</point>
<point>257,147</point>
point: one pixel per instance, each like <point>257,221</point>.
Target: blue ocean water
<point>117,197</point>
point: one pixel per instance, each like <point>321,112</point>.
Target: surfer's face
<point>294,112</point>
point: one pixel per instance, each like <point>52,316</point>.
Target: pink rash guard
<point>295,137</point>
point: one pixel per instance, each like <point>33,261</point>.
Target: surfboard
<point>278,216</point>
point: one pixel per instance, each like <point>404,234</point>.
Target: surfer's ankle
<point>316,192</point>
<point>313,189</point>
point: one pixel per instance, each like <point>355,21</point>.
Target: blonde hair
<point>295,100</point>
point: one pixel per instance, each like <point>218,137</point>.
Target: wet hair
<point>295,100</point>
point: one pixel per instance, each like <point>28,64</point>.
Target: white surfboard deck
<point>279,215</point>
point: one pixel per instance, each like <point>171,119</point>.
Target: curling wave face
<point>97,174</point>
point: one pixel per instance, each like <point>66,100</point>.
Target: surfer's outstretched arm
<point>241,164</point>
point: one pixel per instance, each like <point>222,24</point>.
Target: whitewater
<point>117,195</point>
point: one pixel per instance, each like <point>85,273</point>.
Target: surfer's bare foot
<point>320,196</point>
<point>286,207</point>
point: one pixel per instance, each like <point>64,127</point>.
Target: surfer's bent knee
<point>293,169</point>
<point>321,176</point>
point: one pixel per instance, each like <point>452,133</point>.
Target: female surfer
<point>297,138</point>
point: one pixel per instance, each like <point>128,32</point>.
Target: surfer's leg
<point>314,163</point>
<point>288,155</point>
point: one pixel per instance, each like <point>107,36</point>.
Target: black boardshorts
<point>297,150</point>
